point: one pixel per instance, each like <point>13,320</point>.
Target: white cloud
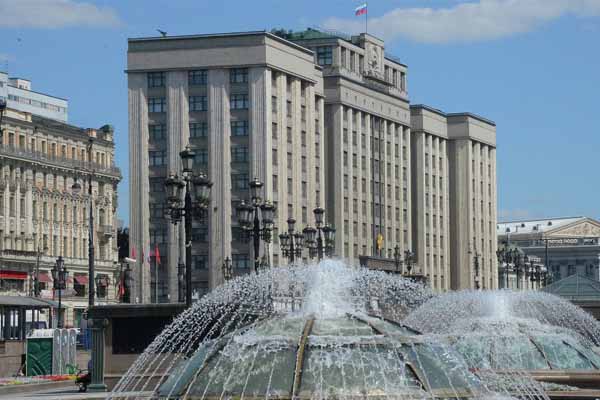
<point>54,14</point>
<point>468,22</point>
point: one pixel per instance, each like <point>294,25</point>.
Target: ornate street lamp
<point>227,269</point>
<point>409,257</point>
<point>476,269</point>
<point>197,186</point>
<point>397,258</point>
<point>319,241</point>
<point>256,219</point>
<point>59,275</point>
<point>292,242</point>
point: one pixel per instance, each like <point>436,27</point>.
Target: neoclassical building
<point>566,246</point>
<point>323,119</point>
<point>40,216</point>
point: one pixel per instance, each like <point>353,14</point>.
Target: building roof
<point>575,287</point>
<point>26,302</point>
<point>534,226</point>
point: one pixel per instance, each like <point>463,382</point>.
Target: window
<point>157,210</point>
<point>239,101</point>
<point>198,77</point>
<point>274,104</point>
<point>157,158</point>
<point>238,75</point>
<point>198,103</point>
<point>156,79</point>
<point>239,128</point>
<point>239,181</point>
<point>157,105</point>
<point>239,154</point>
<point>201,157</point>
<point>157,132</point>
<point>198,129</point>
<point>324,55</point>
<point>200,234</point>
<point>200,261</point>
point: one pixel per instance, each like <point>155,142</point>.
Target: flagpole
<point>367,17</point>
<point>156,277</point>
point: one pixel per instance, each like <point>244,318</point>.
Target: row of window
<point>197,77</point>
<point>237,101</point>
<point>158,132</point>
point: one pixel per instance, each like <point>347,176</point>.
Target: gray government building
<point>323,119</point>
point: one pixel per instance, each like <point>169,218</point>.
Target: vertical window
<point>239,128</point>
<point>157,105</point>
<point>238,75</point>
<point>238,101</point>
<point>324,55</point>
<point>157,132</point>
<point>157,158</point>
<point>198,103</point>
<point>156,79</point>
<point>198,129</point>
<point>239,154</point>
<point>198,77</point>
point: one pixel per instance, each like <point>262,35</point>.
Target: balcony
<point>37,156</point>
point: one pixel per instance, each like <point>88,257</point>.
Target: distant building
<point>566,246</point>
<point>41,218</point>
<point>19,96</point>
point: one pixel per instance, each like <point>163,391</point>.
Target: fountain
<point>329,331</point>
<point>521,335</point>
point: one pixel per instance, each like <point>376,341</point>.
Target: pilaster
<point>219,143</point>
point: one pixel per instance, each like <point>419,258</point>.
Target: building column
<point>178,136</point>
<point>259,85</point>
<point>138,184</point>
<point>219,144</point>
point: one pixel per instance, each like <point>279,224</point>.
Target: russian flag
<point>360,10</point>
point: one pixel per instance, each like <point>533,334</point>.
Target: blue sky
<point>532,66</point>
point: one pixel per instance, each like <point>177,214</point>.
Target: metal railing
<point>38,156</point>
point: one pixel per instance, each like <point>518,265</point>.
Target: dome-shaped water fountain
<point>305,357</point>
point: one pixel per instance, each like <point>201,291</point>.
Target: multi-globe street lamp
<point>197,185</point>
<point>256,219</point>
<point>291,242</point>
<point>320,241</point>
<point>399,261</point>
<point>227,269</point>
<point>59,276</point>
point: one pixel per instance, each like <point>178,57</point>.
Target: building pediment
<point>584,228</point>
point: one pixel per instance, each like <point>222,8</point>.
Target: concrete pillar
<point>138,184</point>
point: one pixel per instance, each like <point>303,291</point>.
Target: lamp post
<point>256,219</point>
<point>76,188</point>
<point>476,269</point>
<point>408,259</point>
<point>200,185</point>
<point>227,269</point>
<point>320,241</point>
<point>36,277</point>
<point>291,242</point>
<point>59,275</point>
<point>397,258</point>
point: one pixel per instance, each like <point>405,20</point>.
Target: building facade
<point>565,246</point>
<point>251,105</point>
<point>322,120</point>
<point>18,95</point>
<point>40,216</point>
<point>368,143</point>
